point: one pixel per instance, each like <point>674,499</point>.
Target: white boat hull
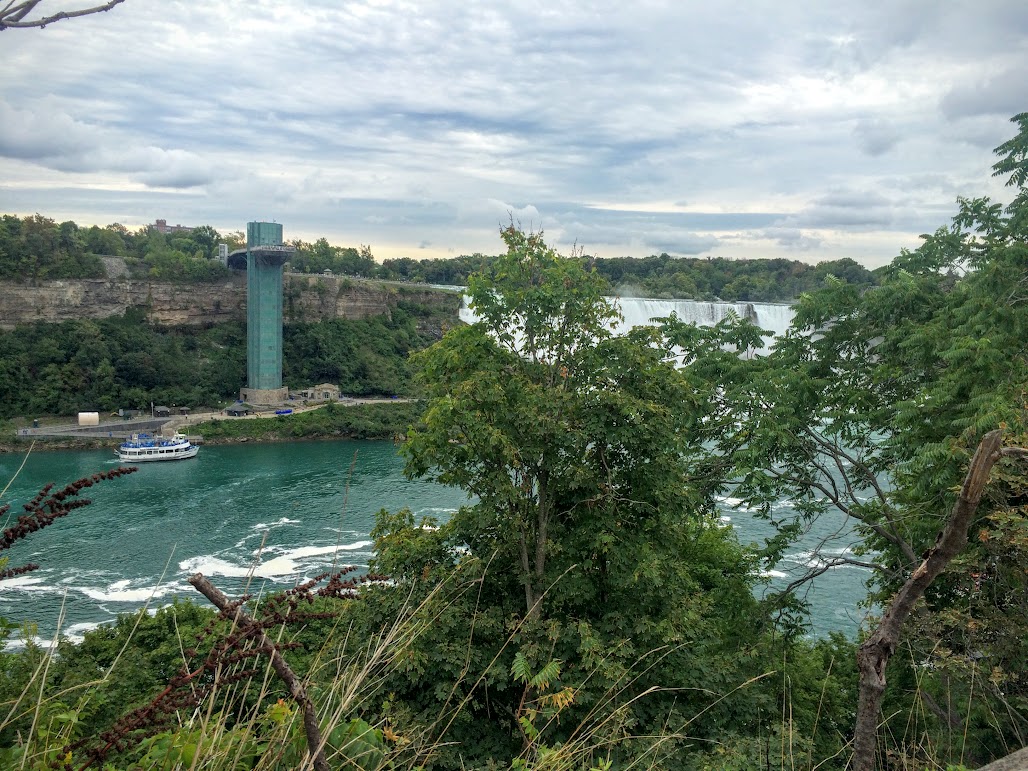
<point>143,448</point>
<point>140,456</point>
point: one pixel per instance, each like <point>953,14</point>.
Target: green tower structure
<point>265,255</point>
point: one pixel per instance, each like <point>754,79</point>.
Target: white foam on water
<point>85,576</point>
<point>734,503</point>
<point>316,551</point>
<point>279,523</point>
<point>210,565</point>
<point>276,567</point>
<point>773,574</point>
<point>274,562</point>
<point>119,591</point>
<point>75,633</point>
<point>817,559</point>
<point>27,583</point>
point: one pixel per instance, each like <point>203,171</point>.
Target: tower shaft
<point>265,256</point>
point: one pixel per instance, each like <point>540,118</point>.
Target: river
<point>279,512</point>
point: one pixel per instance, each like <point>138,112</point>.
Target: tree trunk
<point>874,654</point>
<point>526,571</point>
<point>541,525</point>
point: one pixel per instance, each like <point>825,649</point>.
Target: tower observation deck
<point>265,255</point>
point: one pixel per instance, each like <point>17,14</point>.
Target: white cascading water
<point>638,311</point>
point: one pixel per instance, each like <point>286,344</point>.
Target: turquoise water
<point>265,516</point>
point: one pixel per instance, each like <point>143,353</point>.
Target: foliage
<point>333,421</point>
<point>147,651</point>
<point>752,280</point>
<point>126,363</point>
<point>321,256</point>
<point>587,610</point>
<point>37,248</point>
<point>871,406</point>
<point>186,686</point>
<point>365,357</point>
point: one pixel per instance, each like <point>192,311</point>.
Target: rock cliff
<point>305,298</point>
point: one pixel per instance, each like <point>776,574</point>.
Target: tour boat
<point>144,447</point>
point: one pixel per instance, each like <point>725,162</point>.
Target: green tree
<point>593,539</point>
<point>533,353</point>
<point>104,241</point>
<point>206,239</point>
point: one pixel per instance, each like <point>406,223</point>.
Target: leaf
<point>520,669</point>
<point>546,675</point>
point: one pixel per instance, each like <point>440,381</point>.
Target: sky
<point>805,129</point>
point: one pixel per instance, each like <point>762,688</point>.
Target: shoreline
<point>19,446</point>
<point>322,423</point>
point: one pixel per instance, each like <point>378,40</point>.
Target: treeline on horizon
<point>34,248</point>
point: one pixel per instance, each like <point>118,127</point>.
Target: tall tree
<point>593,537</point>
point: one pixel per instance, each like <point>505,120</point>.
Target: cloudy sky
<point>805,129</point>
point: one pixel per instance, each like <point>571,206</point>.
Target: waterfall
<point>637,311</point>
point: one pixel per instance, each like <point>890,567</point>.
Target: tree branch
<point>14,15</point>
<point>282,669</point>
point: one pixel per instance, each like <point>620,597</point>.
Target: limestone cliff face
<point>317,298</point>
<point>305,298</point>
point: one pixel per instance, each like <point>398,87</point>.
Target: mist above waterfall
<point>638,311</point>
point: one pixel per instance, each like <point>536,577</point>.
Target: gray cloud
<point>1003,93</point>
<point>807,129</point>
<point>845,209</point>
<point>877,137</point>
<point>793,239</point>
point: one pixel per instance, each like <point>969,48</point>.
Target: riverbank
<point>385,419</point>
<point>361,419</point>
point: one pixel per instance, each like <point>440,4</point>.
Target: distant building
<point>326,392</point>
<point>162,226</point>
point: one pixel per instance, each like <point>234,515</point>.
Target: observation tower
<point>265,255</point>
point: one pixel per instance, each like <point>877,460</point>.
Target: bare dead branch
<point>874,654</point>
<point>282,669</point>
<point>15,15</point>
